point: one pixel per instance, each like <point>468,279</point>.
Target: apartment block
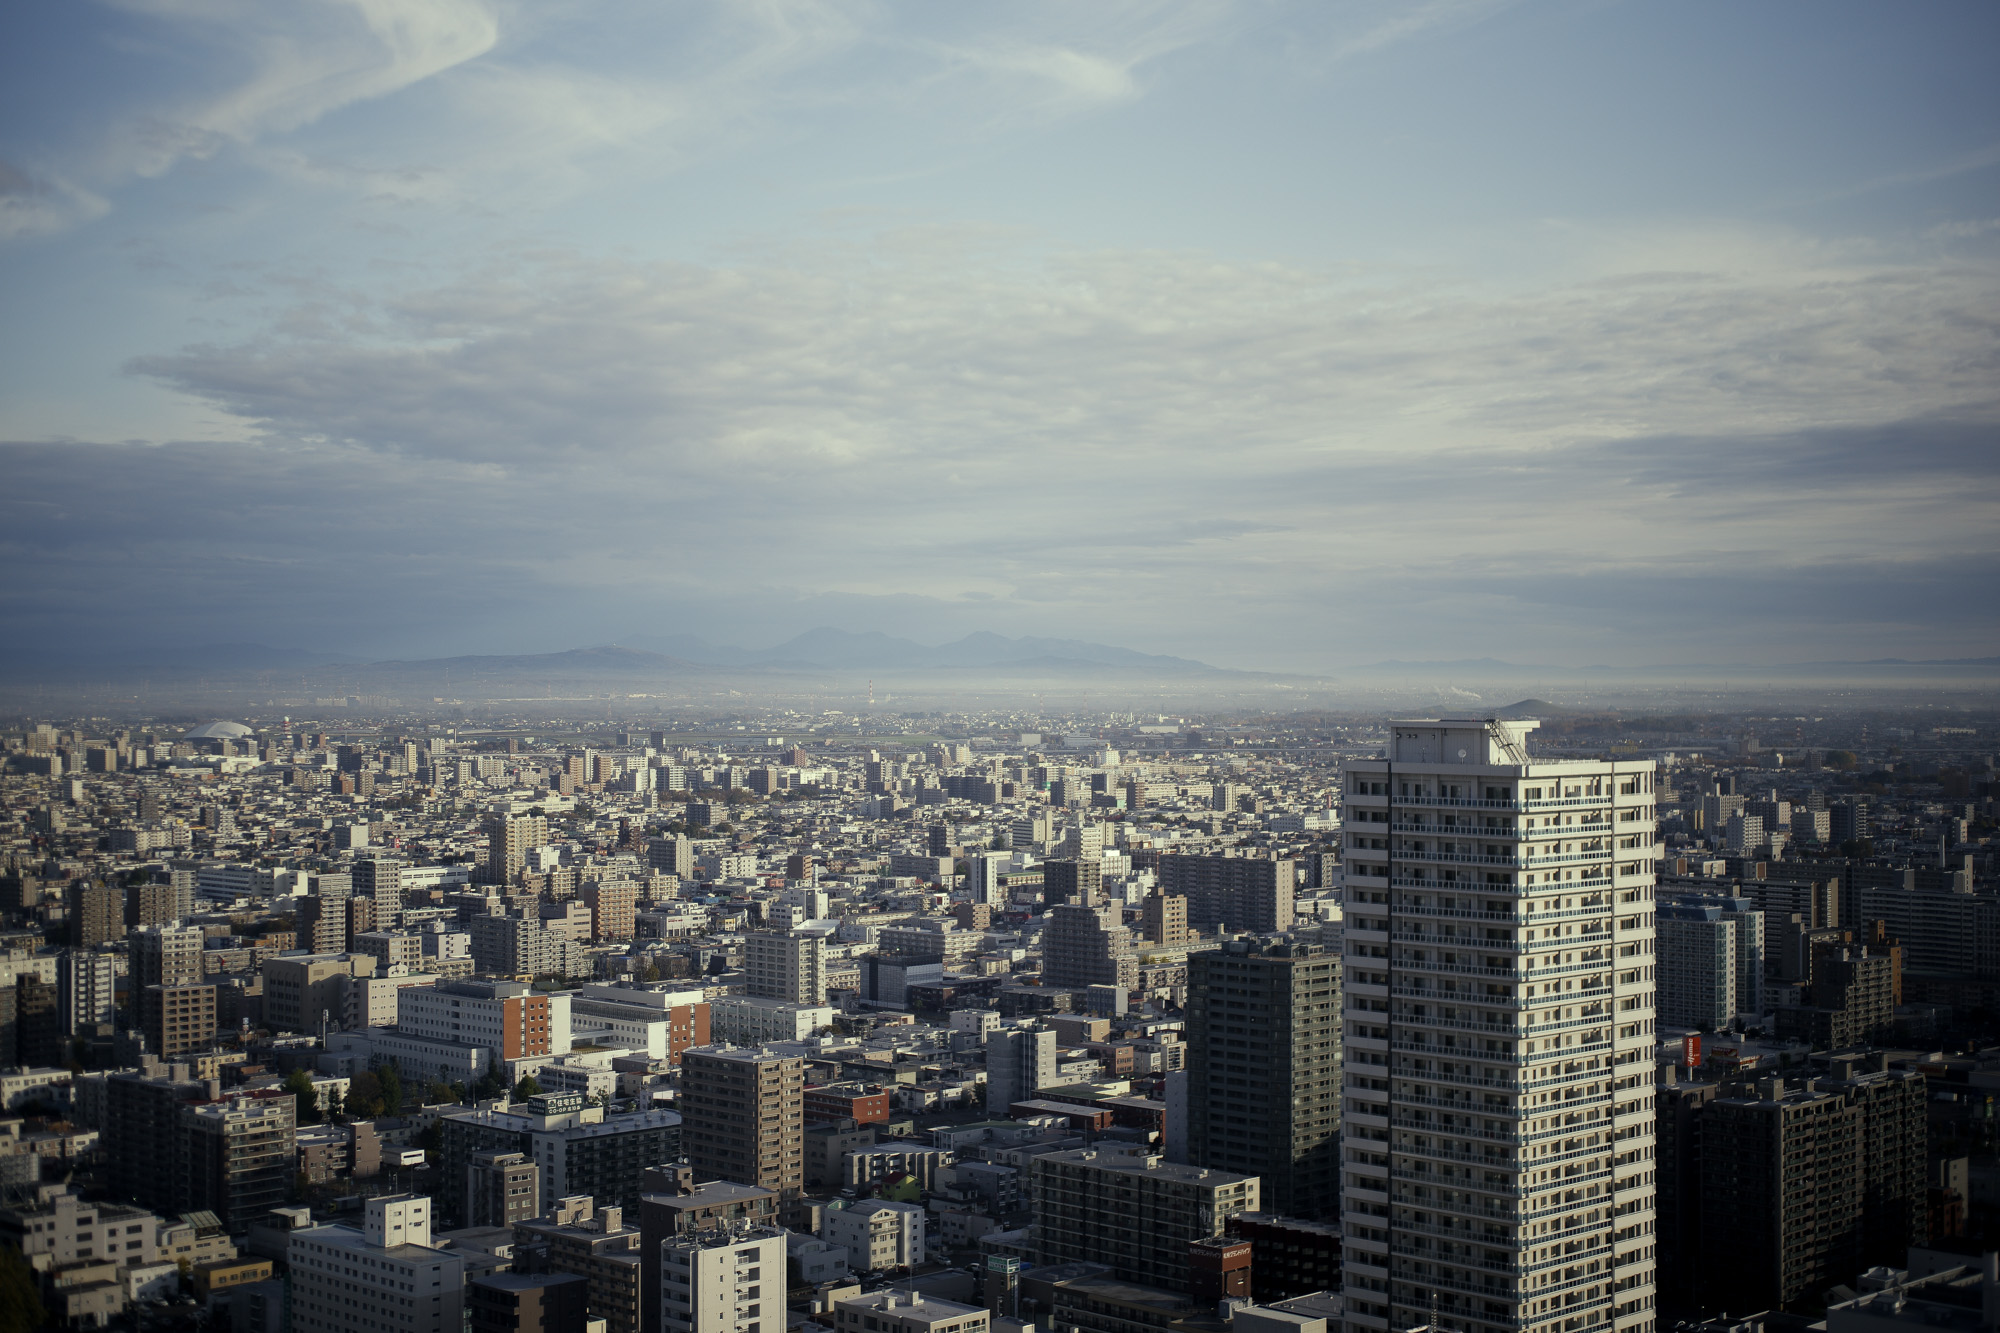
<point>1500,980</point>
<point>579,1149</point>
<point>1240,892</point>
<point>789,967</point>
<point>527,1303</point>
<point>385,1274</point>
<point>501,1189</point>
<point>1133,1212</point>
<point>1697,969</point>
<point>598,1245</point>
<point>723,1282</point>
<point>179,1019</point>
<point>744,1112</point>
<point>1263,1071</point>
<point>508,1018</point>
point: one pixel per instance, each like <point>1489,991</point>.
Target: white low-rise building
<point>752,1020</point>
<point>878,1234</point>
<point>385,1274</point>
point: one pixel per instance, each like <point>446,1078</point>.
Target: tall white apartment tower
<point>1498,1126</point>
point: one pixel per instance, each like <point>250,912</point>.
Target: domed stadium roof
<point>219,730</point>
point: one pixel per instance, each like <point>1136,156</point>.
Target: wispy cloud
<point>1387,25</point>
<point>34,205</point>
<point>304,62</point>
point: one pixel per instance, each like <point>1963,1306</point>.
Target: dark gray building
<point>1264,1045</point>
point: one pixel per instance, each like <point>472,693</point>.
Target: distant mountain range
<point>1492,666</point>
<point>836,648</point>
<point>829,651</point>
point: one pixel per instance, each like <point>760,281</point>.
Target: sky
<point>1282,336</point>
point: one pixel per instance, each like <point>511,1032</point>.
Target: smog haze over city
<point>1209,348</point>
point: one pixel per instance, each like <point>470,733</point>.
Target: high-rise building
<point>613,908</point>
<point>789,966</point>
<point>240,1157</point>
<point>1087,946</point>
<point>85,984</point>
<point>302,991</point>
<point>179,1020</point>
<point>671,855</point>
<point>1019,1063</point>
<point>1263,1061</point>
<point>1163,920</point>
<point>322,923</point>
<point>1131,1211</point>
<point>380,880</point>
<point>982,879</point>
<point>1851,999</point>
<point>1240,892</point>
<point>1499,1049</point>
<point>600,1246</point>
<point>1076,883</point>
<point>154,902</point>
<point>522,947</point>
<point>96,914</point>
<point>744,1117</point>
<point>1800,1186</point>
<point>31,1030</point>
<point>1697,968</point>
<point>723,1282</point>
<point>509,838</point>
<point>385,1274</point>
<point>674,1206</point>
<point>163,956</point>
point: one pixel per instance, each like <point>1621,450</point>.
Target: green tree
<point>364,1095</point>
<point>491,1084</point>
<point>526,1088</point>
<point>20,1296</point>
<point>392,1089</point>
<point>300,1085</point>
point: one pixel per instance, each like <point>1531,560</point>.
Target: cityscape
<point>857,666</point>
<point>1545,1019</point>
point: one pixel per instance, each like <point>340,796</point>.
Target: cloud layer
<point>1081,443</point>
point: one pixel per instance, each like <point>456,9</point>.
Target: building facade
<point>723,1282</point>
<point>1263,1071</point>
<point>789,967</point>
<point>578,1149</point>
<point>1133,1212</point>
<point>745,1117</point>
<point>1241,892</point>
<point>384,1274</point>
<point>1500,988</point>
